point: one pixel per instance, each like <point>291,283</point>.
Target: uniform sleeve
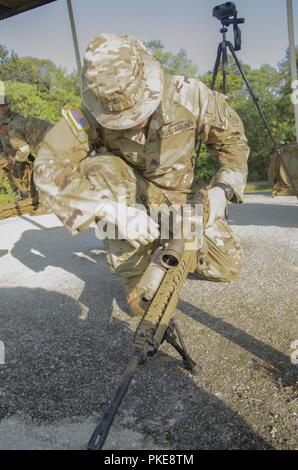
<point>26,135</point>
<point>224,135</point>
<point>35,131</point>
<point>57,175</point>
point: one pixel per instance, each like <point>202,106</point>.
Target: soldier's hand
<point>217,204</point>
<point>22,149</point>
<point>22,154</point>
<point>133,223</point>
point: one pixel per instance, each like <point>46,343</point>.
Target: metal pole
<point>74,35</point>
<point>292,48</point>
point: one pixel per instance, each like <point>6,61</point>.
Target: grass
<point>6,198</point>
<point>6,192</point>
<point>258,187</point>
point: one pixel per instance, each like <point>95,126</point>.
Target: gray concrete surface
<point>67,340</point>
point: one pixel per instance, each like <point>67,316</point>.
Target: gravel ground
<point>67,340</point>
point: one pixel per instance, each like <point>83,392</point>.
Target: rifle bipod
<point>172,336</point>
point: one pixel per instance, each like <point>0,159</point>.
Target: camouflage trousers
<point>20,176</point>
<point>219,259</point>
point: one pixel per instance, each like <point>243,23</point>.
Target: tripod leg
<point>225,68</point>
<point>171,338</point>
<point>214,77</point>
<point>253,96</point>
<point>216,66</point>
<point>256,101</point>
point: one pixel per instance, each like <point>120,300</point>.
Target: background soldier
<point>20,138</point>
<point>278,177</point>
<point>138,130</point>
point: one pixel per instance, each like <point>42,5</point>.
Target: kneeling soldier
<point>138,131</point>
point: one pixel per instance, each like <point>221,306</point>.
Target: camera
<point>228,15</point>
<point>226,10</point>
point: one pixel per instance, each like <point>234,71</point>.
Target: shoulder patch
<point>78,122</point>
<point>79,119</point>
<point>218,110</point>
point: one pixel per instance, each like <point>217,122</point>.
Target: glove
<point>22,149</point>
<point>217,205</point>
<point>134,225</point>
<point>22,154</point>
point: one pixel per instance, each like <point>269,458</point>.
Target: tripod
<point>222,59</point>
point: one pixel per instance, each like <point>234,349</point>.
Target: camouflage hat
<point>122,82</point>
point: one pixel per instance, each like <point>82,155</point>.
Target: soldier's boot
<point>134,297</point>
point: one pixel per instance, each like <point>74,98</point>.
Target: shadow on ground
<point>278,365</point>
<point>60,249</point>
<point>59,367</point>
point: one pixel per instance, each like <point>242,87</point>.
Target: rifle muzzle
<point>172,254</point>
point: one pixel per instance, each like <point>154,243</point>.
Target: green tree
<point>3,54</point>
<point>284,104</point>
<point>37,87</point>
<point>42,73</point>
<point>267,84</point>
<point>28,100</point>
<point>173,64</point>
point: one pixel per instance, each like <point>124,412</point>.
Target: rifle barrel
<point>102,429</point>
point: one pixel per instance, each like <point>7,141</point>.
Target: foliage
<point>206,165</point>
<point>28,100</point>
<point>7,198</point>
<point>37,87</point>
<point>173,64</point>
<point>5,186</point>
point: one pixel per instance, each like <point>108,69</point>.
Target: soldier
<point>285,183</point>
<point>138,131</point>
<point>19,141</point>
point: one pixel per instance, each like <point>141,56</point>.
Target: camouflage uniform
<point>19,146</point>
<point>81,161</point>
<point>277,174</point>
